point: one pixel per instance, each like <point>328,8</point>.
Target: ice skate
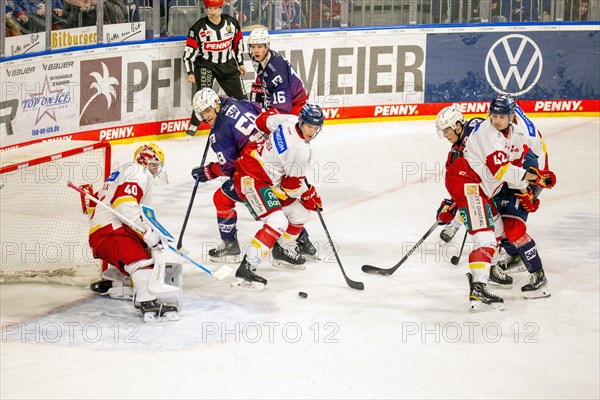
<point>448,232</point>
<point>510,264</point>
<point>481,299</point>
<point>246,277</point>
<point>153,311</point>
<point>228,251</point>
<point>287,258</point>
<point>499,279</point>
<point>305,246</point>
<point>537,287</point>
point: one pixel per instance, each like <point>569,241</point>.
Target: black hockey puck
<point>303,295</point>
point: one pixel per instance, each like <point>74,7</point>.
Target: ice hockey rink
<point>408,335</point>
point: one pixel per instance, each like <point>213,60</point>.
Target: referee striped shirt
<point>214,43</point>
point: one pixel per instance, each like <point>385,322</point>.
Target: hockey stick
<point>353,284</point>
<point>455,259</point>
<point>370,269</point>
<point>189,209</point>
<point>219,274</point>
<point>150,217</point>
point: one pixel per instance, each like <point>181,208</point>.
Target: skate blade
<point>537,294</point>
<point>478,306</point>
<point>313,257</point>
<point>248,285</point>
<point>500,285</point>
<point>286,265</point>
<point>515,269</point>
<point>232,259</point>
<point>151,317</point>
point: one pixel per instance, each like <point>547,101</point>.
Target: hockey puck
<point>303,295</point>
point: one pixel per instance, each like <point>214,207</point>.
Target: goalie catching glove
<point>207,173</point>
<point>545,178</point>
<point>528,201</point>
<point>311,200</point>
<point>446,212</point>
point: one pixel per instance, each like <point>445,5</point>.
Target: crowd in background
<point>29,16</point>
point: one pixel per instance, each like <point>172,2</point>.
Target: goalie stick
<point>220,274</point>
<point>189,209</point>
<point>370,269</point>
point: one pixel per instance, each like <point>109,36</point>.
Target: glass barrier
<point>39,25</point>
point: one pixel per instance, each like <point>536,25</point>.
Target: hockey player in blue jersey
<point>232,129</point>
<point>280,90</point>
<point>277,84</point>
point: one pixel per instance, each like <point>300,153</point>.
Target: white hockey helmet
<point>203,99</point>
<point>259,36</point>
<point>447,118</point>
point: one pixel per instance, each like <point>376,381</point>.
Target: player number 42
<point>500,158</point>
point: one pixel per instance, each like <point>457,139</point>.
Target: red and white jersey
<point>285,153</point>
<point>498,158</point>
<point>124,190</point>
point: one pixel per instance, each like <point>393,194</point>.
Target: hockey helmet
<point>311,114</point>
<point>503,104</point>
<point>150,155</point>
<point>213,3</point>
<point>203,99</point>
<point>259,36</point>
<point>447,118</point>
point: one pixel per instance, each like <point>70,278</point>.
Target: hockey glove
<point>527,200</point>
<point>151,237</point>
<point>446,212</point>
<point>545,177</point>
<point>311,200</point>
<point>207,173</point>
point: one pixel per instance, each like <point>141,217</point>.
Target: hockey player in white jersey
<point>130,252</point>
<point>270,178</point>
<point>495,151</point>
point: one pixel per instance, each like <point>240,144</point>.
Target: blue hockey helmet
<point>311,114</point>
<point>503,104</point>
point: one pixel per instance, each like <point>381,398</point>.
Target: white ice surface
<point>409,335</point>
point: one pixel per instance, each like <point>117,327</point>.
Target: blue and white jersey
<point>283,87</point>
<point>233,129</point>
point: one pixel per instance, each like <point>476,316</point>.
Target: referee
<point>213,50</point>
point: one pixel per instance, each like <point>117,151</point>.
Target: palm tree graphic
<point>104,85</point>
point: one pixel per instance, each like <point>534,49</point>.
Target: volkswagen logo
<point>513,65</point>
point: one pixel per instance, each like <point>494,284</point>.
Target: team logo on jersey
<point>278,138</point>
<point>100,91</point>
<point>513,64</point>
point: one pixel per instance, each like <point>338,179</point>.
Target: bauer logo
<point>513,64</point>
<point>100,92</point>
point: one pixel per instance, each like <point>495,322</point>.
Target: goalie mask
<point>205,99</point>
<point>447,118</point>
<point>152,158</point>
